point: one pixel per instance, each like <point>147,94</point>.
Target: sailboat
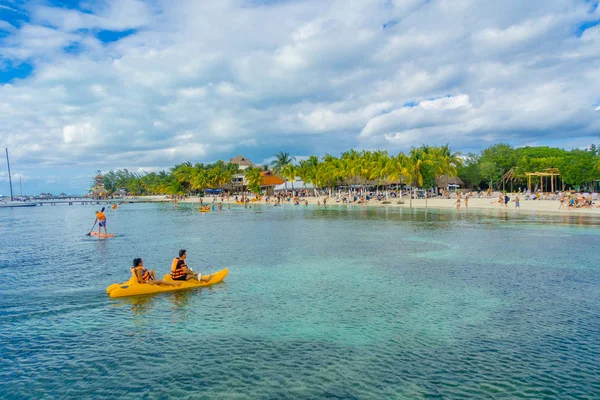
<point>12,202</point>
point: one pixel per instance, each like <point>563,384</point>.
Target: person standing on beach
<point>562,201</point>
<point>517,203</point>
<point>506,200</point>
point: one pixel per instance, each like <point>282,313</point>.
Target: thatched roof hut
<point>242,162</point>
<point>444,181</point>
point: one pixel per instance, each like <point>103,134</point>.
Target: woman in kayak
<point>144,276</point>
<point>101,218</point>
<point>181,272</point>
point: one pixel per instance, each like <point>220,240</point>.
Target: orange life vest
<point>100,215</point>
<point>177,268</point>
<point>145,274</point>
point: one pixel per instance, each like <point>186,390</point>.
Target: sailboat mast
<point>21,187</point>
<point>9,178</point>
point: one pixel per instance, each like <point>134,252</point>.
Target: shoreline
<point>538,206</point>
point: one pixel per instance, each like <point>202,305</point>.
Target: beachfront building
<point>98,190</point>
<point>269,181</point>
<point>448,183</point>
<point>294,185</point>
<point>239,179</point>
<point>550,174</point>
<point>242,162</point>
<point>121,192</point>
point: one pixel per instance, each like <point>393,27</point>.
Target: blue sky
<point>143,85</point>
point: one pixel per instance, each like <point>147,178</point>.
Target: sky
<point>144,85</point>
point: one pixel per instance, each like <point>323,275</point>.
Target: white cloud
<point>108,15</point>
<point>79,133</point>
<point>204,80</point>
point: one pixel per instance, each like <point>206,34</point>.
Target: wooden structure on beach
<point>445,181</point>
<point>242,162</point>
<point>98,191</point>
<point>548,172</point>
<point>509,176</point>
<point>238,181</point>
<point>268,181</point>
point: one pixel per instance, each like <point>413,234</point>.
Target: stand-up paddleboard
<point>102,235</point>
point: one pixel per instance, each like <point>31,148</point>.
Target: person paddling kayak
<point>144,276</point>
<point>181,272</point>
<point>101,218</point>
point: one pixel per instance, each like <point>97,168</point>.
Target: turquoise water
<point>336,303</point>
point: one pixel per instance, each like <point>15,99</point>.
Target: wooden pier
<point>87,201</point>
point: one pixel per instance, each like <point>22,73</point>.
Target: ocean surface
<point>343,303</point>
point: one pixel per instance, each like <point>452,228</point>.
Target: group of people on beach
<point>573,201</point>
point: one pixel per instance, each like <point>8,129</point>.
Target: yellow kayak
<point>133,288</point>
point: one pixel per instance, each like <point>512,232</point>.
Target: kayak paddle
<point>90,232</point>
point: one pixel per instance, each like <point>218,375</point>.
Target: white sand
<point>540,206</point>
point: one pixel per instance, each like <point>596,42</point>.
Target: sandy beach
<point>538,206</point>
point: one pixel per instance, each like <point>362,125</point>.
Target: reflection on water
<point>180,300</point>
<point>140,305</point>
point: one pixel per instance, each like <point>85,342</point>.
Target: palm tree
<point>426,163</point>
<point>288,172</point>
<point>379,170</point>
<point>453,160</point>
<point>199,180</point>
<point>415,167</point>
<point>313,167</point>
<point>219,176</point>
<point>303,171</point>
<point>254,179</point>
<point>281,162</point>
<point>183,174</point>
<point>350,164</point>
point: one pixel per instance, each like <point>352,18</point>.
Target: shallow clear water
<point>339,303</point>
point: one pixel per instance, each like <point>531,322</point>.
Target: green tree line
<point>418,168</point>
<point>578,168</point>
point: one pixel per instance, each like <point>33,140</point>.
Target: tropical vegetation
<point>418,168</point>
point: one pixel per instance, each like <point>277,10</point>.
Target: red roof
<point>268,179</point>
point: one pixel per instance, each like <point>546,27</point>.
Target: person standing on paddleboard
<point>101,218</point>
